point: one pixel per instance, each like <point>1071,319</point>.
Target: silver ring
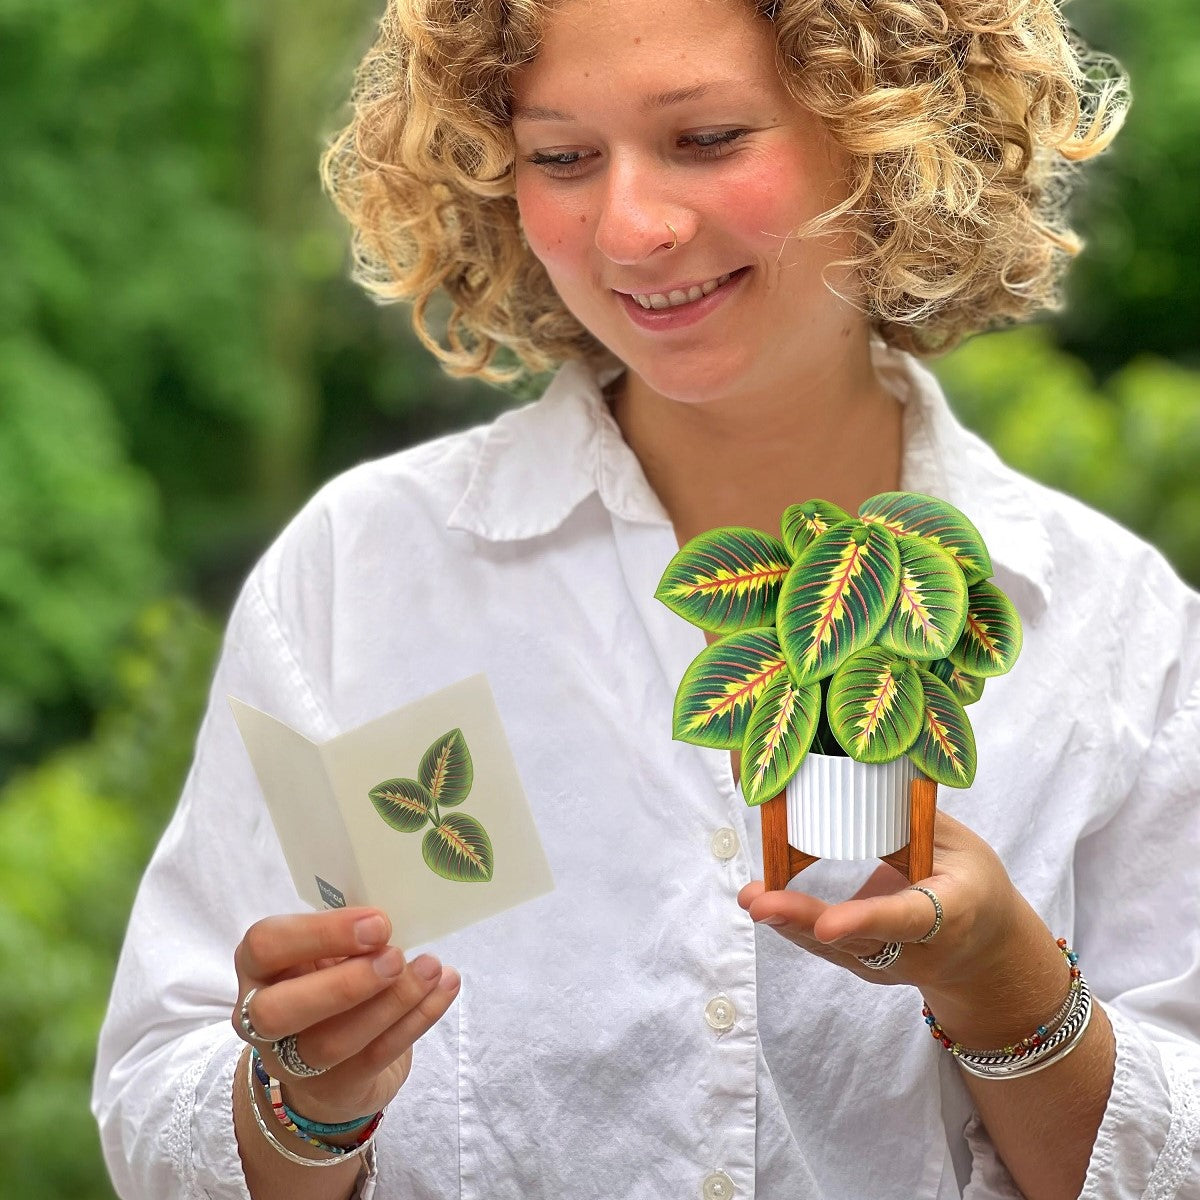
<point>885,957</point>
<point>290,1060</point>
<point>252,1034</point>
<point>937,910</point>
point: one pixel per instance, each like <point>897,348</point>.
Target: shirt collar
<point>538,463</point>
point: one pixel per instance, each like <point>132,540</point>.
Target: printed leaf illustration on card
<point>457,847</point>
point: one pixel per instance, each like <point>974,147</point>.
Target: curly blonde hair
<point>962,120</point>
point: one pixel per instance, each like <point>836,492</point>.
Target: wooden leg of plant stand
<point>782,862</point>
<point>776,851</point>
<point>916,859</point>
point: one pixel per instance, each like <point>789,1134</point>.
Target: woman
<point>634,191</point>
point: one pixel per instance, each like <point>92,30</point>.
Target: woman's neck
<point>741,460</point>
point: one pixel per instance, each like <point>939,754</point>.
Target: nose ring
<point>674,236</point>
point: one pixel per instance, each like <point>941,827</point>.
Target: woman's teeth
<point>678,297</point>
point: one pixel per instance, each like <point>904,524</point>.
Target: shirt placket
<point>724,991</point>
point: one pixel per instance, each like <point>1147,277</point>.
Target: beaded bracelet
<point>1057,1047</point>
<point>274,1091</point>
<point>303,1123</point>
<point>1048,1042</point>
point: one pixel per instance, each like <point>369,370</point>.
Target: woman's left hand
<point>983,917</point>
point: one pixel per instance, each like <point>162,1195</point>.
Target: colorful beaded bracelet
<point>286,1117</point>
<point>365,1148</point>
<point>1019,1049</point>
<point>1050,1051</point>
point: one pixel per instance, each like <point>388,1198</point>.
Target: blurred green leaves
<point>1129,447</point>
<point>75,833</point>
<point>78,553</point>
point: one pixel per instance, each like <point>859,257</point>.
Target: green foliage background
<point>182,361</point>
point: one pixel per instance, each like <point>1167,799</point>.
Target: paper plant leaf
<point>991,638</point>
<point>966,688</point>
<point>726,579</point>
<point>936,521</point>
<point>404,804</point>
<point>875,705</point>
<point>945,747</point>
<point>837,597</point>
<point>801,523</point>
<point>931,604</point>
<point>718,691</point>
<point>446,769</point>
<point>778,737</point>
<point>459,849</point>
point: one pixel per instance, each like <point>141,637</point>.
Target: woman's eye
<point>712,145</point>
<point>561,163</point>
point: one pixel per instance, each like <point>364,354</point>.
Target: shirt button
<point>725,843</point>
<point>720,1015</point>
<point>718,1186</point>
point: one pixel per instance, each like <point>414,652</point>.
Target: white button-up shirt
<point>633,1034</point>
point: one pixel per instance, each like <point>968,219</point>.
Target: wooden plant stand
<point>782,862</point>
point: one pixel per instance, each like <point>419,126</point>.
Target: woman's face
<point>636,116</point>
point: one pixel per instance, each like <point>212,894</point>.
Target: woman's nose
<point>639,218</point>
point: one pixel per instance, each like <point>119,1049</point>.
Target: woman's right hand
<point>354,1004</point>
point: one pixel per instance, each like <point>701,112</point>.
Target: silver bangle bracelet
<point>1032,1068</point>
<point>1004,1066</point>
<point>1068,1029</point>
<point>367,1148</point>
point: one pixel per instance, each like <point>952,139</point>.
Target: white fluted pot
<point>841,808</point>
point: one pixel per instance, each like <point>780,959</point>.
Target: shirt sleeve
<point>1138,938</point>
<point>162,1091</point>
<point>1137,932</point>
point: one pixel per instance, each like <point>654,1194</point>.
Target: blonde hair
<point>962,120</point>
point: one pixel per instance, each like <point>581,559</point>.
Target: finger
<point>339,1039</point>
<point>790,914</point>
<point>901,917</point>
<point>400,1037</point>
<point>293,1004</point>
<point>276,944</point>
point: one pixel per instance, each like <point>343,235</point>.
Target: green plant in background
<point>1129,447</point>
<point>75,834</point>
<point>457,847</point>
<point>863,636</point>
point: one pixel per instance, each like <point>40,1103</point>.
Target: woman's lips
<point>682,315</point>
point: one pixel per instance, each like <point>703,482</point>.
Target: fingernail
<point>427,967</point>
<point>773,921</point>
<point>389,964</point>
<point>451,980</point>
<point>370,931</point>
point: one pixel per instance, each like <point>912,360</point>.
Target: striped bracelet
<point>303,1128</point>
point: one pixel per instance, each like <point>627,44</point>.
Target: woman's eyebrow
<point>538,112</point>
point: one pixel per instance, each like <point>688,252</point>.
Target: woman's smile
<point>682,305</point>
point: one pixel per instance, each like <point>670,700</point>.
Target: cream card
<point>420,812</point>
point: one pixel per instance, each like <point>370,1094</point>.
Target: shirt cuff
<point>214,1164</point>
<point>1147,1144</point>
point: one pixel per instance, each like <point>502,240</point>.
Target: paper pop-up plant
<point>861,637</point>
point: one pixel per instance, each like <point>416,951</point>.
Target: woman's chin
<point>695,380</point>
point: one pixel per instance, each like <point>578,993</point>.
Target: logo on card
<point>330,894</point>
